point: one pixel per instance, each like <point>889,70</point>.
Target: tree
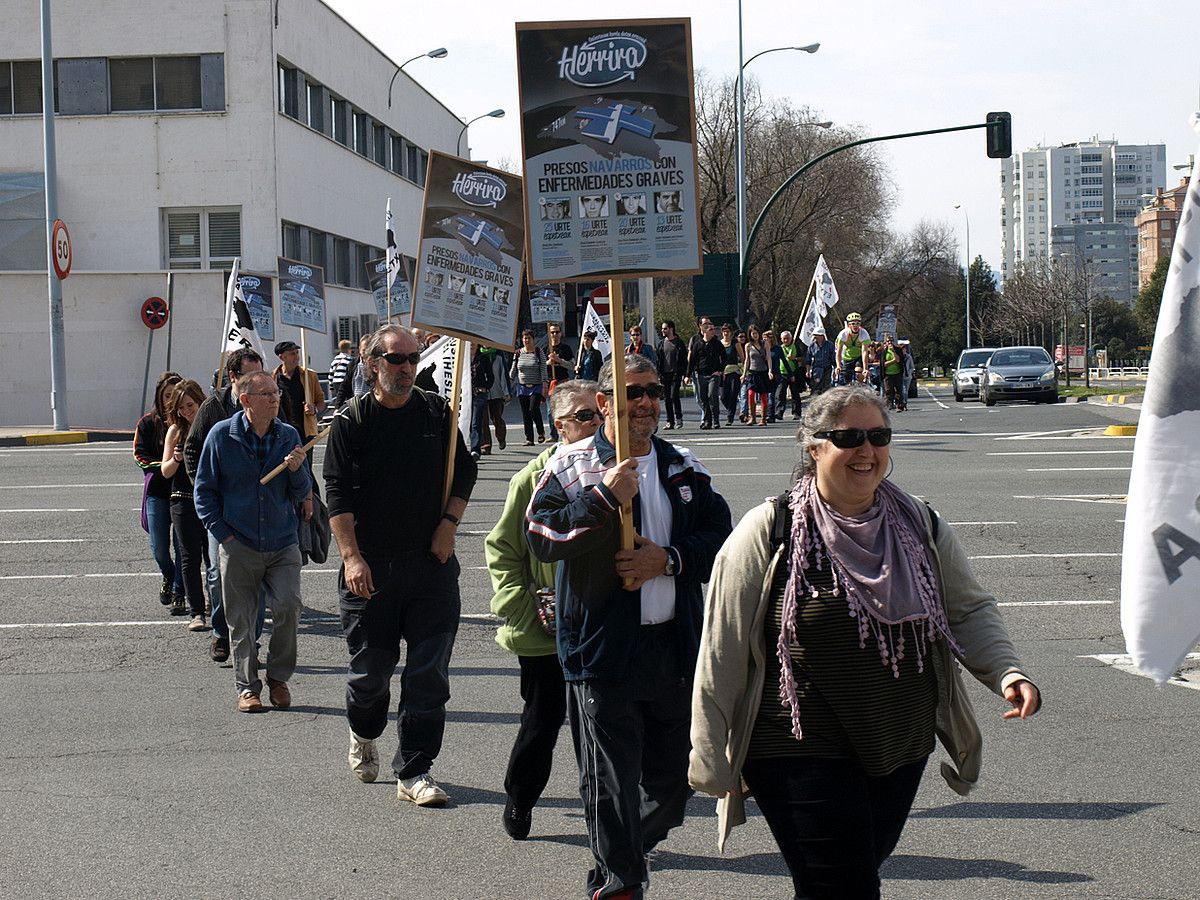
<point>1115,327</point>
<point>1149,298</point>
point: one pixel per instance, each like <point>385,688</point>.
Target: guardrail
<point>1119,373</point>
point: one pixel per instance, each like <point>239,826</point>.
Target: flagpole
<point>616,326</point>
<point>804,306</point>
<point>455,390</point>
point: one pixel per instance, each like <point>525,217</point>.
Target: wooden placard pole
<point>279,468</point>
<point>460,350</point>
<point>808,296</point>
<point>616,331</point>
<point>304,379</point>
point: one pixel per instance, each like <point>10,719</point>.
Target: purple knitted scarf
<point>880,560</point>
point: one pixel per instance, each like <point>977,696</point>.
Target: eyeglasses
<point>583,416</point>
<point>397,358</point>
<point>637,391</point>
<point>274,393</point>
<point>849,438</point>
<point>635,334</point>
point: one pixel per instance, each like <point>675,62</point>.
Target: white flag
<point>812,318</point>
<point>593,322</point>
<point>239,326</point>
<point>826,293</point>
<point>439,356</point>
<point>1160,605</point>
<point>392,254</point>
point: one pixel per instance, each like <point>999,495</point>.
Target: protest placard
<point>608,127</point>
<point>470,264</point>
<point>259,291</point>
<point>301,295</point>
<point>546,305</point>
<point>377,278</point>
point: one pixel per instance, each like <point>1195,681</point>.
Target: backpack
<point>435,406</point>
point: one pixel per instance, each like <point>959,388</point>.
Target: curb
<point>1120,431</point>
<point>48,438</point>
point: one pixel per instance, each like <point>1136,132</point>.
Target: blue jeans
<point>699,391</point>
<point>479,406</point>
<point>162,540</point>
<point>212,579</point>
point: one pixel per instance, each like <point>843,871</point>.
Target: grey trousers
<point>243,572</point>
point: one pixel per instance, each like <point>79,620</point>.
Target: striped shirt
<point>529,368</point>
<point>851,705</point>
<point>338,367</point>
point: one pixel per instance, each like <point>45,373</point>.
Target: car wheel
<point>958,398</point>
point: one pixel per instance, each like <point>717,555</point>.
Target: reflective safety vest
<point>852,345</point>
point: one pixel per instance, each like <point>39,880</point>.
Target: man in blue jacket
<point>628,653</point>
<point>256,526</point>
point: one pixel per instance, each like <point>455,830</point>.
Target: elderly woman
<point>827,665</point>
<point>524,590</point>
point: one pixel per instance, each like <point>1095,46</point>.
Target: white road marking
<point>304,571</point>
<point>1124,663</point>
<point>935,399</point>
<point>984,523</point>
<point>45,509</point>
<point>708,459</point>
<point>1058,603</point>
<point>45,487</point>
<point>56,541</point>
<point>1055,452</point>
<point>1086,469</point>
<point>476,618</point>
<point>1042,555</point>
<point>1078,498</point>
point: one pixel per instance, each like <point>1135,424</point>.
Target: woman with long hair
<point>837,616</point>
<point>181,408</point>
<point>530,375</point>
<point>756,373</point>
<point>148,439</point>
<point>733,370</point>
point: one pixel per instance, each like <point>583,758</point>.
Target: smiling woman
<point>865,598</point>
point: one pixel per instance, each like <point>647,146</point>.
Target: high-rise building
<point>1088,182</point>
<point>1156,226</point>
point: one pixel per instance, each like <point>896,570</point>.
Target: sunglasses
<point>583,415</point>
<point>397,358</point>
<point>637,391</point>
<point>849,438</point>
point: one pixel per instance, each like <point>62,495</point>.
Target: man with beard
<point>628,647</point>
<point>384,474</point>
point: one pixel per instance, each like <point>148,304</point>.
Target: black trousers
<point>545,696</point>
<point>633,743</point>
<point>710,393</point>
<point>834,824</point>
<point>671,382</point>
<point>891,385</point>
<point>417,601</point>
<point>531,414</point>
<point>193,551</point>
<point>788,383</point>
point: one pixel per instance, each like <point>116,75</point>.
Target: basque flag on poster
<point>1160,605</point>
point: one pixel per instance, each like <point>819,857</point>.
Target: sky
<point>1065,70</point>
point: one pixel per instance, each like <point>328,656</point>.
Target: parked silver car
<point>1019,373</point>
<point>967,371</point>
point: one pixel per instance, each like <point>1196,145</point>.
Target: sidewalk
<point>38,435</point>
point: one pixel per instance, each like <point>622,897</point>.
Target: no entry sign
<point>61,242</point>
<point>155,313</point>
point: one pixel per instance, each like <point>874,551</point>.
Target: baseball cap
<point>284,346</point>
<point>818,330</point>
<point>854,317</point>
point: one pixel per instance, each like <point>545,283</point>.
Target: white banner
<point>812,318</point>
<point>1160,615</point>
<point>392,255</point>
<point>593,322</point>
<point>439,356</point>
<point>239,325</point>
<point>826,293</point>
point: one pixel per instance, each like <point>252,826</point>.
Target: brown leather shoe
<point>248,702</point>
<point>281,696</point>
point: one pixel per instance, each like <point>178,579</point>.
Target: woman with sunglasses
<point>524,598</point>
<point>182,405</point>
<point>835,618</point>
<point>529,374</point>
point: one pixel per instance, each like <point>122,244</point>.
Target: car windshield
<point>1024,357</point>
<point>973,358</point>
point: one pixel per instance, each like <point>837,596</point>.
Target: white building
<point>1087,182</point>
<point>189,133</point>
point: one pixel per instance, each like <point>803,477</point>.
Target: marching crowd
<point>807,657</point>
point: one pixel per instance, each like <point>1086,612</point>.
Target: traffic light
<point>999,135</point>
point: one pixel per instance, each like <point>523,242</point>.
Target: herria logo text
<point>604,59</point>
<point>479,188</point>
<point>300,271</point>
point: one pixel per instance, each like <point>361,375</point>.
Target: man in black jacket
<point>695,343</point>
<point>629,653</point>
<point>384,473</point>
<point>672,364</point>
<point>218,407</point>
<point>710,366</point>
<point>482,379</point>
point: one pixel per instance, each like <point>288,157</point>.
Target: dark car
<point>1019,373</point>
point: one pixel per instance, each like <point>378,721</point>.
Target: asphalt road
<point>125,769</point>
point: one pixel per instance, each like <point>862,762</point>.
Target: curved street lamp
<point>432,54</point>
<point>740,175</point>
<point>494,114</point>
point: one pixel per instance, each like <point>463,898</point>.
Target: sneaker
<point>528,444</point>
<point>197,624</point>
<point>179,606</point>
<point>219,649</point>
<point>364,759</point>
<point>166,594</point>
<point>422,790</point>
<point>517,822</point>
<point>500,441</point>
<point>280,694</point>
<point>248,702</point>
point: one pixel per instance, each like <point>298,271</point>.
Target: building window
<point>341,261</point>
<point>360,133</point>
<point>201,238</point>
<point>147,83</point>
<point>177,82</point>
<point>20,87</point>
<point>316,109</point>
<point>337,108</point>
<point>313,251</point>
<point>289,103</point>
<point>291,240</point>
<point>131,84</point>
<point>381,145</point>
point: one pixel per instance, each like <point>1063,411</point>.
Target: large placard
<point>470,267</point>
<point>401,295</point>
<point>546,305</point>
<point>608,129</point>
<point>301,295</point>
<point>260,294</point>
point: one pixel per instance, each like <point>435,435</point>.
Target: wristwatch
<point>670,567</point>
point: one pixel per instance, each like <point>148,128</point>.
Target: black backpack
<point>435,405</point>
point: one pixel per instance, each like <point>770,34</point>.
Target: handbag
<point>544,606</point>
<point>145,494</point>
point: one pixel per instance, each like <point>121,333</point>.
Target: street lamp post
<point>740,161</point>
<point>432,54</point>
<point>968,220</point>
<point>494,114</point>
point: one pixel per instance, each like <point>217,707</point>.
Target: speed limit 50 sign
<point>60,243</point>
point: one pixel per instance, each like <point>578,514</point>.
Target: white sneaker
<point>364,758</point>
<point>197,624</point>
<point>422,790</point>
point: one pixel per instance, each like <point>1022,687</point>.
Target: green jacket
<point>514,569</point>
